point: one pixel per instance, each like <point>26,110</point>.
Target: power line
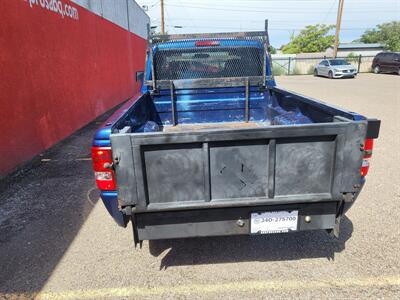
<point>329,11</point>
<point>220,8</point>
<point>270,29</point>
<point>187,12</point>
<point>275,22</point>
<point>280,1</point>
<point>263,3</point>
<point>154,4</point>
<point>309,6</point>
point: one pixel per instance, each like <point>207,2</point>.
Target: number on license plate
<point>273,222</point>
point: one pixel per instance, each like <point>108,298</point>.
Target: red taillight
<point>364,167</point>
<point>368,145</point>
<point>207,43</point>
<point>102,166</point>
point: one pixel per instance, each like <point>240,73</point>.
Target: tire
<point>315,72</point>
<point>398,71</point>
<point>330,75</point>
<point>377,70</point>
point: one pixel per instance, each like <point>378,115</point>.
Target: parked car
<point>335,68</point>
<point>212,146</point>
<point>386,62</point>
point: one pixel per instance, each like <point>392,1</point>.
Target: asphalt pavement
<point>58,242</point>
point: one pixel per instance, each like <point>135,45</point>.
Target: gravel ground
<point>57,240</point>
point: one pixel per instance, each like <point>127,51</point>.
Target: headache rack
<point>209,60</point>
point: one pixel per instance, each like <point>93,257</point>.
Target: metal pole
<point>266,45</point>
<point>288,69</point>
<point>127,14</point>
<point>359,63</point>
<point>173,108</point>
<point>153,72</point>
<point>247,95</point>
<point>338,23</point>
<point>162,18</point>
<point>267,55</point>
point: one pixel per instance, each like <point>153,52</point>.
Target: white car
<point>335,68</point>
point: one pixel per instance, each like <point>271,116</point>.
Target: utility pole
<point>338,23</point>
<point>162,18</point>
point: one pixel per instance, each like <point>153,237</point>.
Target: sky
<point>285,16</point>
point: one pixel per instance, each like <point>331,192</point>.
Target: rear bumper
<point>221,221</point>
<point>225,221</point>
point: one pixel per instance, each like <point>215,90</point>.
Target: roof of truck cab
<point>183,44</point>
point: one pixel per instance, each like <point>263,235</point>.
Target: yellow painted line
<point>193,289</point>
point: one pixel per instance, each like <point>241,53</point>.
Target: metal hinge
<point>117,159</point>
<point>348,197</point>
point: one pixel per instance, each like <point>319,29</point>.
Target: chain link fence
<point>305,65</point>
<point>211,59</point>
<point>202,59</point>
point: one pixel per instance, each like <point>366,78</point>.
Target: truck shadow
<point>278,247</point>
<point>43,205</point>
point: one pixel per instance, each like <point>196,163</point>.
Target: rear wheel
<point>315,72</point>
<point>377,70</point>
<point>330,74</point>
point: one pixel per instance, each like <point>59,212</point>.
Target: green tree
<point>272,49</point>
<point>352,57</point>
<point>313,38</point>
<point>387,34</point>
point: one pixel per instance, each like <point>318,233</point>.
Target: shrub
<point>278,70</point>
<point>296,71</point>
<point>352,58</point>
<point>310,70</point>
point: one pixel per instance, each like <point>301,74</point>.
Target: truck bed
<point>238,163</point>
<point>214,164</point>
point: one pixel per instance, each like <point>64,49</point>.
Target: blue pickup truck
<point>211,146</point>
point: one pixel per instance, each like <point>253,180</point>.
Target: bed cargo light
<point>102,166</point>
<point>368,146</point>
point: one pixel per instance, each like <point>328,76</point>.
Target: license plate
<point>273,222</point>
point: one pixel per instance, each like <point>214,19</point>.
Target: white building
<point>345,49</point>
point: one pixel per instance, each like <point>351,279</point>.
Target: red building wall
<point>57,74</point>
